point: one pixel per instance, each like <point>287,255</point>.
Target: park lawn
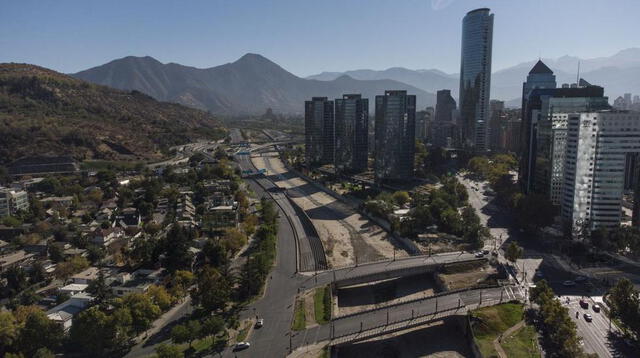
<point>522,343</point>
<point>298,316</point>
<point>492,321</point>
<point>322,304</point>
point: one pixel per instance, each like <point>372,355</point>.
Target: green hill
<point>43,112</point>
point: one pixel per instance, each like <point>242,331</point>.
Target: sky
<point>307,37</point>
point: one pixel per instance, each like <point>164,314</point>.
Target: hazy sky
<point>307,37</point>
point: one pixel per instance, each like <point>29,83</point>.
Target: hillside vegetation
<point>48,113</point>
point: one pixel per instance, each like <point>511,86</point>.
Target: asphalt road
<point>595,335</point>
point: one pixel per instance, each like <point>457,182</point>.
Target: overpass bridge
<point>387,269</point>
<point>384,320</point>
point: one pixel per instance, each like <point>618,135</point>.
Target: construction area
<point>348,238</point>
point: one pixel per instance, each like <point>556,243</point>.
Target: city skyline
<point>73,36</point>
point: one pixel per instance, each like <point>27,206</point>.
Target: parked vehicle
<point>596,307</point>
<point>587,317</point>
<point>260,323</point>
<point>242,345</point>
<point>568,283</point>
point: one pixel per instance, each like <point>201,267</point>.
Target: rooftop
<point>540,68</point>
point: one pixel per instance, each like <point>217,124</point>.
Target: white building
<point>598,144</point>
<point>12,201</point>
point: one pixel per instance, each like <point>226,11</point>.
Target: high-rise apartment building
<point>351,133</point>
<point>597,150</point>
<point>12,201</point>
<point>475,78</point>
<point>319,131</point>
<point>394,135</point>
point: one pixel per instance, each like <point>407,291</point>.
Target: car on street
<point>568,283</point>
<point>479,254</point>
<point>587,317</point>
<point>584,304</point>
<point>596,307</point>
<point>242,345</point>
<point>485,252</point>
<point>260,322</point>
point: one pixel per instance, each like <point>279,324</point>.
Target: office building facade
<point>597,150</point>
<point>475,78</point>
<point>319,131</point>
<point>351,133</point>
<point>540,77</point>
<point>394,136</point>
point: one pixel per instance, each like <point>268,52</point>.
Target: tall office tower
<point>636,99</point>
<point>395,136</point>
<point>512,135</point>
<point>627,101</point>
<point>445,105</point>
<point>424,120</point>
<point>475,78</point>
<point>598,146</point>
<point>540,77</point>
<point>351,130</point>
<point>319,131</point>
<point>497,125</point>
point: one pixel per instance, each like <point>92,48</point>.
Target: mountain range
<point>618,74</point>
<point>43,112</point>
<point>250,85</point>
<point>253,83</point>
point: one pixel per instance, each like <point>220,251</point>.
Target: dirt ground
<point>345,234</point>
<point>382,293</point>
<point>437,340</point>
<point>454,281</point>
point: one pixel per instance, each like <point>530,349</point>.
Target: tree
<point>43,353</point>
<point>401,197</point>
<point>16,278</point>
<point>624,301</point>
<point>534,211</point>
<point>99,289</point>
<point>213,290</point>
<point>169,351</point>
<point>186,333</point>
<point>212,326</point>
<point>8,330</point>
<point>39,332</point>
<point>513,252</point>
<point>178,256</point>
<point>234,239</point>
<point>143,311</point>
<point>181,280</point>
<point>160,297</point>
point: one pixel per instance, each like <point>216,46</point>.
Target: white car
<point>242,345</point>
<point>260,323</point>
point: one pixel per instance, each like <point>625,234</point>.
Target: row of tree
<point>624,301</point>
<point>559,328</point>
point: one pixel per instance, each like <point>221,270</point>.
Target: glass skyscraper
<point>319,131</point>
<point>352,133</point>
<point>475,77</point>
<point>395,128</point>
